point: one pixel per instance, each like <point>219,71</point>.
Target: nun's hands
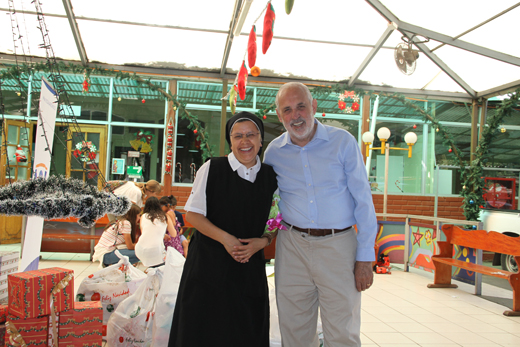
<point>248,247</point>
<point>230,242</point>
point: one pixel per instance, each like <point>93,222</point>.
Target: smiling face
<point>296,112</point>
<point>245,148</point>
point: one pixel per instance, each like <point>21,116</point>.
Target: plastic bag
<point>132,322</point>
<point>167,297</point>
<point>111,286</point>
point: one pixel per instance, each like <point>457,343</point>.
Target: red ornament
<point>323,114</point>
<point>355,106</point>
<point>91,275</point>
<point>95,297</point>
<point>143,101</point>
<point>415,126</point>
<point>121,339</point>
<point>242,81</point>
<point>342,105</point>
<point>265,117</point>
<point>449,150</point>
<point>267,37</point>
<point>195,131</point>
<point>169,154</point>
<point>251,47</point>
<point>168,168</point>
<point>86,85</point>
<point>169,129</point>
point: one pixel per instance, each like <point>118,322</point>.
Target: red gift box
<point>30,292</point>
<point>3,314</point>
<point>81,326</point>
<point>34,330</point>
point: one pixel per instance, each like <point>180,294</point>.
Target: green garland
<point>15,72</point>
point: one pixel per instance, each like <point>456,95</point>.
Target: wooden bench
<point>478,239</point>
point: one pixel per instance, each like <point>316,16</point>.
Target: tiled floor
<point>398,311</point>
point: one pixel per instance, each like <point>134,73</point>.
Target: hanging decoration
<point>251,47</point>
<point>60,197</point>
<point>86,81</point>
<point>85,151</point>
<point>342,105</point>
<point>143,141</point>
<point>233,99</point>
<point>169,150</point>
<point>268,32</point>
<point>242,81</point>
<point>20,155</point>
<point>288,6</point>
<point>255,71</point>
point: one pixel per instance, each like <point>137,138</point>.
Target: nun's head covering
<point>244,116</point>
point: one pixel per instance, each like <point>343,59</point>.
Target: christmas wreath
<point>60,197</point>
<point>85,151</point>
<point>342,105</point>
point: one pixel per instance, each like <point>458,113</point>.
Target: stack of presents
<point>41,311</point>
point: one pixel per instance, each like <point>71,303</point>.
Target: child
<point>120,235</point>
<point>168,204</point>
<point>154,223</point>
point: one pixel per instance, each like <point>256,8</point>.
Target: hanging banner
<point>42,161</point>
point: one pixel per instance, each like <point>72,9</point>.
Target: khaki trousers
<point>312,272</point>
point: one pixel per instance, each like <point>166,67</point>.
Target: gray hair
<point>292,85</point>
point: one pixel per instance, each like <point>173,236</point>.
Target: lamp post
<point>384,134</point>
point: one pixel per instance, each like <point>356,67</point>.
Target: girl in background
<point>120,235</point>
<point>154,223</point>
<point>168,204</point>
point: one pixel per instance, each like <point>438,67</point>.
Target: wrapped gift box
<point>81,326</point>
<point>8,265</point>
<point>33,330</point>
<point>30,291</point>
<point>2,334</point>
<point>3,314</point>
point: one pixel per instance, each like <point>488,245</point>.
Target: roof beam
<point>414,29</point>
<point>379,7</point>
<point>75,32</point>
<point>500,90</point>
<point>229,40</point>
<point>389,30</point>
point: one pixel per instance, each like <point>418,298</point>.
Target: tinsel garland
<point>60,197</point>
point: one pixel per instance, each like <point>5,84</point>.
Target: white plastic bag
<point>132,322</point>
<point>167,297</point>
<point>111,285</point>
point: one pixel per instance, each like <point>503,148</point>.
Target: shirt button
<point>305,165</point>
<point>309,184</point>
<point>311,201</point>
<point>312,221</point>
<point>247,173</point>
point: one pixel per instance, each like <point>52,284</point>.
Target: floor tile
<point>501,338</point>
<point>412,327</point>
<point>397,339</point>
<point>378,327</point>
<point>467,338</point>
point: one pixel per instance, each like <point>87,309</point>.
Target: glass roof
<point>325,41</point>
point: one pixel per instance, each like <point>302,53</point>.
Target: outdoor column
<point>474,130</point>
<point>223,119</point>
<point>483,117</point>
<point>365,116</point>
<point>170,118</point>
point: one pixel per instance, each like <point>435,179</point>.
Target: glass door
<point>15,165</point>
<point>87,150</point>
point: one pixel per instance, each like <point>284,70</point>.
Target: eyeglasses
<point>239,136</point>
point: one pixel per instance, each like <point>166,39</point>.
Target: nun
<point>223,296</point>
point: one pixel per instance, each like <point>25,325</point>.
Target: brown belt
<point>318,232</point>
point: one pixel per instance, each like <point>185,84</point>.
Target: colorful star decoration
<point>342,98</point>
<point>428,236</point>
<point>417,238</point>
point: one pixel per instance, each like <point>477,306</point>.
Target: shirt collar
<point>321,133</point>
<point>235,164</point>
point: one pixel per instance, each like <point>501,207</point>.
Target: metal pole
<point>372,130</point>
<point>385,200</point>
<point>406,244</point>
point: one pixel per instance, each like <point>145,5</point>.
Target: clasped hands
<point>243,249</point>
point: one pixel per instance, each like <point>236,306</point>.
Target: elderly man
<point>320,260</point>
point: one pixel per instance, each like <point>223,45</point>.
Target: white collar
<point>235,164</point>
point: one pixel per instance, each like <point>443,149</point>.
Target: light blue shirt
<point>324,185</point>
